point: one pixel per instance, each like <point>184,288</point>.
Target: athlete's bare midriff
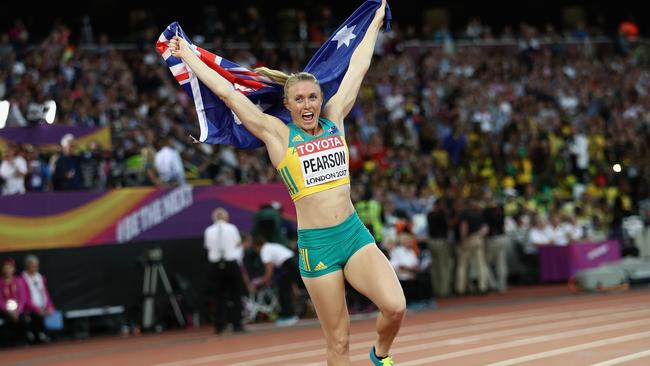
<point>324,209</point>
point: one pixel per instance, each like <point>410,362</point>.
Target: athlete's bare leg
<point>371,274</point>
<point>327,293</point>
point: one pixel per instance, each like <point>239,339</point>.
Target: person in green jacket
<point>268,223</point>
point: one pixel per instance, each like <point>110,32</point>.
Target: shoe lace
<point>387,361</point>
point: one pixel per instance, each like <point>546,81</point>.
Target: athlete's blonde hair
<point>285,79</point>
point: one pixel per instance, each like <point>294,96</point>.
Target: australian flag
<point>218,124</point>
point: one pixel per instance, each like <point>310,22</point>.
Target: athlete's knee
<point>395,310</point>
<point>339,344</point>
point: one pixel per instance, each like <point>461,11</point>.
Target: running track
<point>574,330</point>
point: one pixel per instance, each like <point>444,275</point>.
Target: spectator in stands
<point>540,233</point>
<point>39,304</point>
<point>406,200</point>
<point>12,172</point>
<point>225,254</point>
<point>38,172</point>
<point>148,174</point>
<point>455,143</point>
<point>559,233</point>
<point>67,167</point>
<point>598,230</point>
<point>281,270</point>
<point>90,160</point>
<point>440,247</point>
<point>369,209</point>
<point>169,164</point>
<point>497,242</point>
<point>13,299</point>
<point>472,230</point>
<point>574,232</point>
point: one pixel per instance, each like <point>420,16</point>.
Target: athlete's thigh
<point>327,293</point>
<point>370,273</point>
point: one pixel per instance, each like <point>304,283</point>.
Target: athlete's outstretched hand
<point>179,47</point>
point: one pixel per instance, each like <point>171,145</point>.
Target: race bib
<point>323,160</point>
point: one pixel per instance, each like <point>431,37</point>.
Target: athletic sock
<point>374,352</point>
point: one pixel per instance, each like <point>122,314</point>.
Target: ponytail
<point>275,75</point>
<point>284,79</point>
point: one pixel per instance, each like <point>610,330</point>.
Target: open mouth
<point>308,116</point>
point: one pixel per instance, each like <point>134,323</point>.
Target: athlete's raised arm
<point>271,130</point>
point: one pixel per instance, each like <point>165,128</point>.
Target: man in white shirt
<point>169,165</point>
<point>225,253</point>
<point>565,230</point>
<point>560,235</point>
<point>279,261</point>
<point>574,232</point>
<point>541,233</point>
<point>13,170</point>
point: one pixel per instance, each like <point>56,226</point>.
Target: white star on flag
<point>344,36</point>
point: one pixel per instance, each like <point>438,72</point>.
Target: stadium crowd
<point>533,134</point>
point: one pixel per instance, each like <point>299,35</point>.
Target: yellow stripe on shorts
<point>307,259</point>
<point>302,257</point>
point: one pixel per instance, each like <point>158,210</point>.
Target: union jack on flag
<point>218,124</point>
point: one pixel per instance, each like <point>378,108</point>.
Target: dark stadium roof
<point>112,17</point>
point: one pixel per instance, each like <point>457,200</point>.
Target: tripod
<point>152,270</point>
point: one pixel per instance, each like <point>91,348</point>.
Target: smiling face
<point>304,99</point>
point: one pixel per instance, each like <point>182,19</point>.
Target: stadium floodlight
<point>4,113</point>
<point>50,107</point>
<point>617,168</point>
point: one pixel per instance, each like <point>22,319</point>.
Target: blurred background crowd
<point>530,134</point>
